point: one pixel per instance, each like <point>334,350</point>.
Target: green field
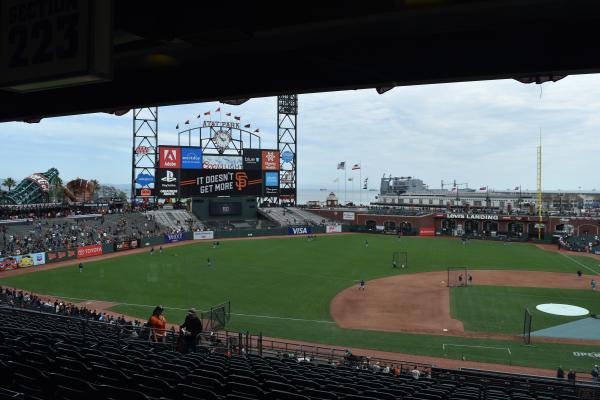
<point>501,308</point>
<point>282,287</point>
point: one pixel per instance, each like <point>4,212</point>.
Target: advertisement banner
<point>271,183</point>
<point>40,180</point>
<point>167,182</point>
<point>222,162</point>
<point>89,251</point>
<point>126,245</point>
<point>191,157</point>
<point>169,157</point>
<point>270,160</point>
<point>299,230</point>
<point>215,182</point>
<point>53,256</point>
<point>144,179</point>
<point>252,159</point>
<point>144,192</point>
<point>173,237</point>
<point>427,231</point>
<point>333,229</point>
<point>204,235</point>
<point>348,216</point>
<point>22,261</point>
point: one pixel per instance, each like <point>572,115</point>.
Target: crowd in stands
<point>582,244</point>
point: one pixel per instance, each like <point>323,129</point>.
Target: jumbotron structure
<point>215,158</point>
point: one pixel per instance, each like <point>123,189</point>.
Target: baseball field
<point>305,290</point>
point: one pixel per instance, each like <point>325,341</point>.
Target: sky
<point>480,133</point>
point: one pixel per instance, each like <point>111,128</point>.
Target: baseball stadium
<point>209,277</point>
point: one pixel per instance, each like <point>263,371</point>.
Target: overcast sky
<point>482,133</point>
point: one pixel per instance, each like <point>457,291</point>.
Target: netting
<point>217,317</point>
<point>400,259</point>
<point>527,319</point>
<point>458,277</point>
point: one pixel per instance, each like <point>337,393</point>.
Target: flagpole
<point>360,182</point>
<point>345,185</point>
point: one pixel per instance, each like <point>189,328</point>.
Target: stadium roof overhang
<point>182,52</point>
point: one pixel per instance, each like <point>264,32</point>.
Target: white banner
<point>222,162</point>
<point>204,235</point>
<point>333,229</point>
<point>348,216</point>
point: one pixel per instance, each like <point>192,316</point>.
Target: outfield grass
<point>501,308</point>
<point>282,286</point>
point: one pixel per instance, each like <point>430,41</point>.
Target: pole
<point>345,185</point>
<point>360,181</point>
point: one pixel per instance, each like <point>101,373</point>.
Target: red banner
<point>426,231</point>
<point>89,251</point>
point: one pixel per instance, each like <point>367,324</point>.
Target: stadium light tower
<point>287,118</point>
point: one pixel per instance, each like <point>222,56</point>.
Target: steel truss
<point>145,150</point>
<point>287,118</point>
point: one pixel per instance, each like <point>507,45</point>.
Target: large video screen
<point>186,172</point>
<point>217,208</point>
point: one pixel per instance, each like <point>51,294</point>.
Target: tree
<point>9,183</point>
<point>57,190</point>
<point>96,188</point>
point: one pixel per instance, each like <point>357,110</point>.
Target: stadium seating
<point>45,356</point>
<point>176,219</point>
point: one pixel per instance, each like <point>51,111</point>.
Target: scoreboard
<point>185,172</point>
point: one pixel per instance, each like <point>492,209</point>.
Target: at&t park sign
<point>220,124</point>
<point>489,217</point>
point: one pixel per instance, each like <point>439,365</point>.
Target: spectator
<point>560,373</point>
<point>571,376</point>
<point>595,373</point>
<point>158,325</point>
<point>191,328</point>
<point>416,374</point>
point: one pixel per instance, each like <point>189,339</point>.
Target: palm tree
<point>96,188</point>
<point>9,183</point>
<point>57,189</point>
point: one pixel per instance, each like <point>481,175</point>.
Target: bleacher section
<point>46,356</point>
<point>57,233</point>
<point>176,219</point>
<point>292,216</point>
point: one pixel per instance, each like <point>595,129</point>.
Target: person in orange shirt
<point>158,323</point>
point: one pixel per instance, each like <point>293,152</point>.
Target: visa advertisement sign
<point>191,157</point>
<point>299,230</point>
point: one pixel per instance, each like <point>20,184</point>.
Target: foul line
<point>185,309</point>
<point>479,347</point>
<point>577,262</point>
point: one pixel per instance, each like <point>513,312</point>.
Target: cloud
<point>483,133</point>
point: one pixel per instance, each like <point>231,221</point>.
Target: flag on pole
<point>177,127</point>
<point>356,166</point>
<point>341,165</point>
<point>454,189</point>
<point>256,130</point>
<point>483,188</point>
<point>350,179</point>
<point>236,117</point>
<point>198,115</point>
<point>247,126</point>
<point>517,188</point>
<point>187,122</point>
<point>228,114</point>
<point>366,184</point>
<point>218,109</point>
<point>207,113</point>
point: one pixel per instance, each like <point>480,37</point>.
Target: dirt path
<point>420,303</point>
